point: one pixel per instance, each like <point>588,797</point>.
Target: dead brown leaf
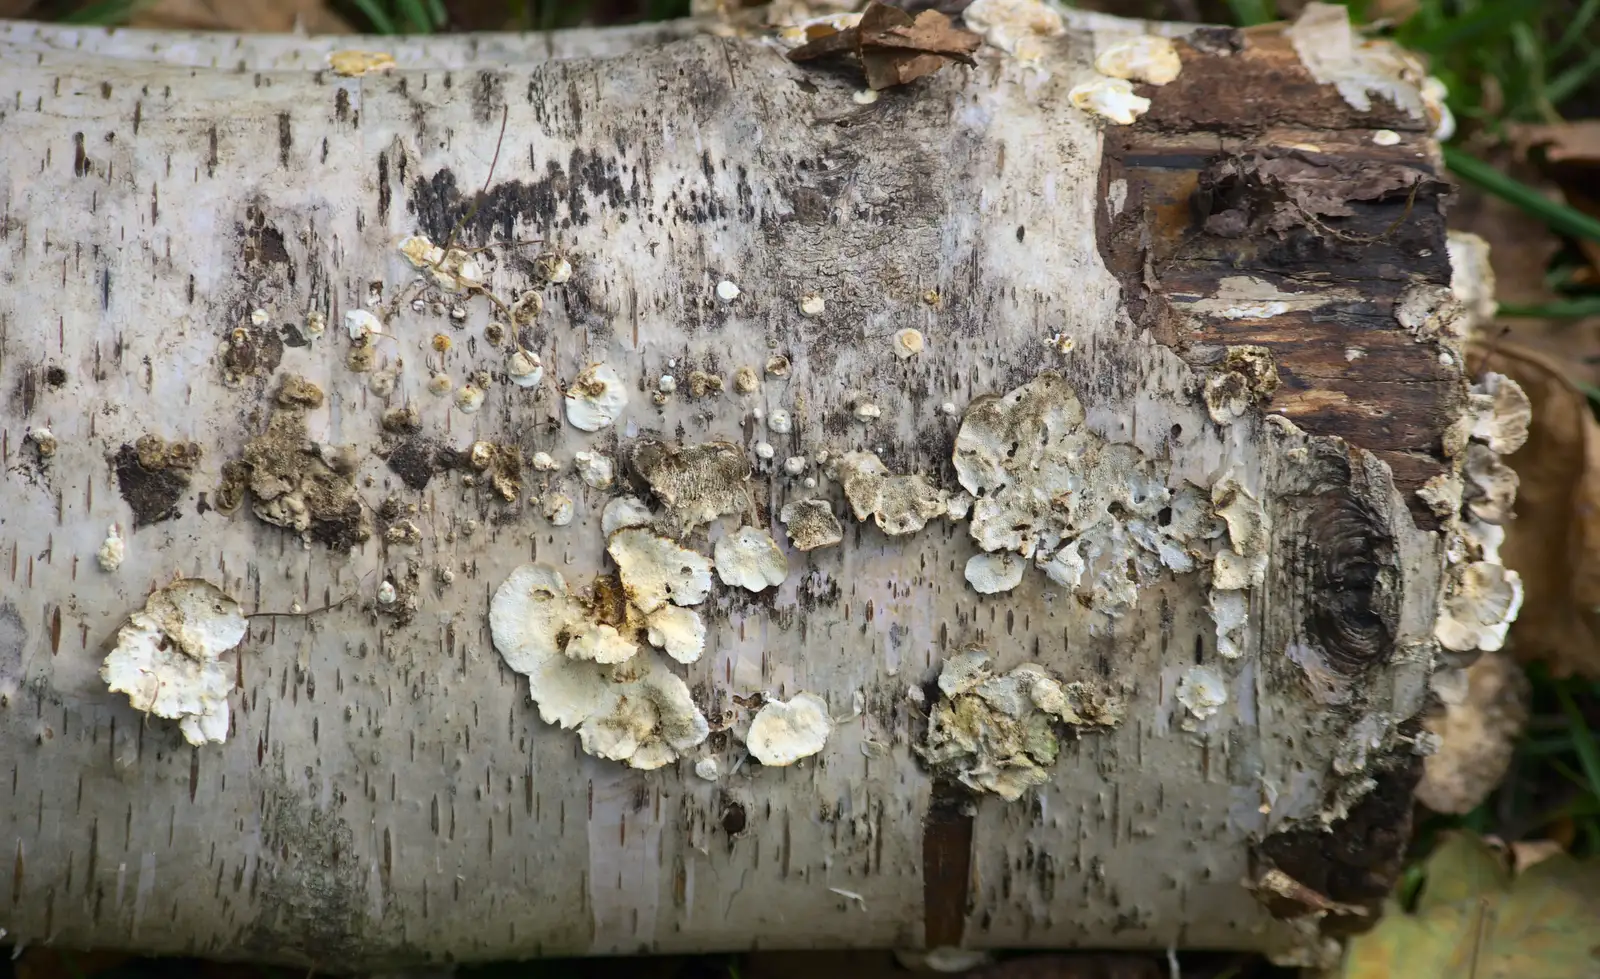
<point>1554,542</point>
<point>248,16</point>
<point>895,47</point>
<point>1567,142</point>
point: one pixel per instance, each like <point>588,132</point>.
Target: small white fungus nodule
<point>815,305</point>
<point>990,574</point>
<point>259,317</point>
<point>596,398</point>
<point>783,733</point>
<point>387,593</point>
<point>667,384</point>
<point>727,291</point>
<point>1146,58</point>
<point>362,325</point>
<point>1386,137</point>
<point>469,398</point>
<point>544,462</point>
<point>112,550</point>
<point>708,769</point>
<point>168,657</point>
<point>864,96</point>
<point>316,324</point>
<point>909,342</point>
<point>764,450</point>
<point>749,558</point>
<point>1202,691</point>
<point>866,411</point>
<point>794,465</point>
<point>779,421</point>
<point>558,509</point>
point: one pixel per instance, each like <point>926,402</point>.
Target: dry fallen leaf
<point>1474,918</point>
<point>1567,142</point>
<point>260,16</point>
<point>1554,542</point>
<point>894,47</point>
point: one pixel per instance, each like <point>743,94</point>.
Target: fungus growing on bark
<point>354,64</point>
<point>167,658</point>
<point>996,732</point>
<point>553,267</point>
<point>596,398</point>
<point>694,483</point>
<point>1016,27</point>
<point>624,511</point>
<point>727,291</point>
<point>899,504</point>
<point>1490,488</point>
<point>679,632</point>
<point>558,509</point>
<point>469,398</point>
<point>454,269</point>
<point>1202,692</point>
<point>634,710</point>
<point>1146,58</point>
<point>989,574</point>
<point>782,732</point>
<point>815,306</point>
<point>908,343</point>
<point>112,550</point>
<point>1248,376</point>
<point>656,570</point>
<point>779,422</point>
<point>749,558</point>
<point>595,469</point>
<point>811,524</point>
<point>1111,99</point>
<point>524,368</point>
<point>362,326</point>
<point>1481,598</point>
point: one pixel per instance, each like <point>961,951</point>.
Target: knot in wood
<point>1354,606</point>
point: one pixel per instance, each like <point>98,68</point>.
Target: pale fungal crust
<point>553,267</point>
<point>1386,137</point>
<point>1442,493</point>
<point>1202,692</point>
<point>695,484</point>
<point>559,509</point>
<point>636,711</point>
<point>749,558</point>
<point>1244,562</point>
<point>354,64</point>
<point>596,398</point>
<point>1480,601</point>
<point>780,422</point>
<point>990,574</point>
<point>727,291</point>
<point>1112,99</point>
<point>1146,58</point>
<point>112,550</point>
<point>1247,377</point>
<point>909,342</point>
<point>708,769</point>
<point>167,658</point>
<point>996,732</point>
<point>1095,516</point>
<point>1358,67</point>
<point>815,306</point>
<point>1430,312</point>
<point>595,469</point>
<point>624,511</point>
<point>524,368</point>
<point>1017,27</point>
<point>544,462</point>
<point>440,385</point>
<point>899,504</point>
<point>362,325</point>
<point>656,570</point>
<point>1230,610</point>
<point>598,642</point>
<point>811,524</point>
<point>469,398</point>
<point>782,733</point>
<point>798,33</point>
<point>454,269</point>
<point>679,632</point>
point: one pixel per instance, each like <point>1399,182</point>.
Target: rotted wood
<point>388,794</point>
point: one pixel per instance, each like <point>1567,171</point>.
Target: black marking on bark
<point>55,376</point>
<point>212,155</point>
<point>25,394</point>
<point>384,193</point>
<point>488,97</point>
<point>80,159</point>
<point>415,460</point>
<point>105,288</point>
<point>13,640</point>
<point>341,105</point>
<point>285,139</point>
<point>561,198</point>
<point>946,865</point>
<point>152,494</point>
<point>1353,608</point>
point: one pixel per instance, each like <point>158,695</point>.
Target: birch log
<point>1243,291</point>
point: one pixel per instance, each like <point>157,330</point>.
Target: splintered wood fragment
<point>894,47</point>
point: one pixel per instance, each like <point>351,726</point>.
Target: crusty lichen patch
<point>293,484</point>
<point>1096,517</point>
<point>997,732</point>
<point>167,658</point>
<point>585,673</point>
<point>695,484</point>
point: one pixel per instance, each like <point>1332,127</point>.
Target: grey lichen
<point>997,732</point>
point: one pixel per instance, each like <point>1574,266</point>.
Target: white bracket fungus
<point>680,632</point>
<point>168,657</point>
<point>656,570</point>
<point>1146,58</point>
<point>811,524</point>
<point>995,733</point>
<point>899,504</point>
<point>454,269</point>
<point>708,769</point>
<point>595,469</point>
<point>1501,413</point>
<point>814,306</point>
<point>1230,610</point>
<point>112,550</point>
<point>624,511</point>
<point>1016,27</point>
<point>362,325</point>
<point>1481,599</point>
<point>1110,98</point>
<point>779,422</point>
<point>544,462</point>
<point>636,711</point>
<point>1244,563</point>
<point>727,291</point>
<point>749,558</point>
<point>469,398</point>
<point>1202,692</point>
<point>525,368</point>
<point>596,398</point>
<point>1047,488</point>
<point>558,509</point>
<point>989,574</point>
<point>783,733</point>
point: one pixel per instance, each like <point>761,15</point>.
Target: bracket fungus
<point>524,368</point>
<point>167,657</point>
<point>1094,516</point>
<point>989,574</point>
<point>900,504</point>
<point>656,570</point>
<point>811,524</point>
<point>695,484</point>
<point>749,558</point>
<point>596,398</point>
<point>679,632</point>
<point>1016,27</point>
<point>1145,58</point>
<point>782,732</point>
<point>1112,99</point>
<point>1202,692</point>
<point>996,732</point>
<point>629,708</point>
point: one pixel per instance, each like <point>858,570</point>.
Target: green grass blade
<point>1561,309</point>
<point>415,15</point>
<point>1487,21</point>
<point>376,16</point>
<point>437,12</point>
<point>1558,216</point>
<point>1576,28</point>
<point>1583,739</point>
<point>1248,13</point>
<point>1568,82</point>
<point>107,13</point>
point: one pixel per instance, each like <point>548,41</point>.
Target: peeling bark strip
<point>731,396</point>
